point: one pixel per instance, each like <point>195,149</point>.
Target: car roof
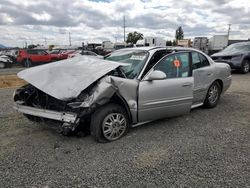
<point>150,48</point>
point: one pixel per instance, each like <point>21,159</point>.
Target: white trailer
<point>108,46</point>
<point>201,43</point>
<point>151,41</point>
<point>218,42</point>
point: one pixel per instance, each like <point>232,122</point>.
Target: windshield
<point>238,47</point>
<point>135,59</point>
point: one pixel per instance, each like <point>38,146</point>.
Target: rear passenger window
<point>199,60</point>
<point>204,60</point>
<point>34,52</point>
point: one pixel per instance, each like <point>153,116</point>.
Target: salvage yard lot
<point>206,148</point>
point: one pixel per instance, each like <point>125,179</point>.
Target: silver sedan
<point>130,87</point>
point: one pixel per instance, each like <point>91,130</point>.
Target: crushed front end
<point>41,107</point>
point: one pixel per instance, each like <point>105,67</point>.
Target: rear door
<point>43,56</point>
<point>168,97</point>
<point>33,55</point>
<point>203,76</point>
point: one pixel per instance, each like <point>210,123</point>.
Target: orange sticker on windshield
<point>177,63</point>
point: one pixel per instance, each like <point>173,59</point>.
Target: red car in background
<point>35,57</point>
<point>65,54</point>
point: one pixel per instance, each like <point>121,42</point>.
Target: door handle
<point>186,84</point>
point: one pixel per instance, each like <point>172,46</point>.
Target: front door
<point>167,97</point>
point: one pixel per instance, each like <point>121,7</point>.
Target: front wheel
<point>245,67</point>
<point>109,123</point>
<point>213,95</point>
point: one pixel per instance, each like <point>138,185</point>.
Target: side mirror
<point>156,75</point>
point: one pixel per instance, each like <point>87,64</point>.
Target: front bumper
<point>232,64</point>
<point>65,117</point>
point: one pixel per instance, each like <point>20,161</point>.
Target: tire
<point>245,66</point>
<point>116,126</point>
<point>213,95</point>
<point>27,63</point>
<point>2,65</point>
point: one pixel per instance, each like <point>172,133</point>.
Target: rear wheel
<point>27,63</point>
<point>213,95</point>
<point>245,67</point>
<point>109,123</point>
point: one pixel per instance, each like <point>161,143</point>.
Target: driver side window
<point>175,66</point>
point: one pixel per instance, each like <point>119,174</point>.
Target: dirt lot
<point>8,78</point>
<point>206,148</point>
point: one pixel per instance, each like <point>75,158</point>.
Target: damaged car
<point>129,87</point>
<point>236,55</point>
<point>5,61</point>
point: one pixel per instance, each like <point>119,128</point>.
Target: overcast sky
<point>99,20</point>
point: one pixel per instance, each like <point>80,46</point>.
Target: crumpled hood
<point>68,78</point>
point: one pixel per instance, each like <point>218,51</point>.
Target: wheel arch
<point>247,57</point>
<point>118,99</point>
<point>221,84</point>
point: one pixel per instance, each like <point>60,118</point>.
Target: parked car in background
<point>32,57</point>
<point>84,53</point>
<point>65,54</point>
<point>5,61</point>
<point>130,87</point>
<point>236,55</point>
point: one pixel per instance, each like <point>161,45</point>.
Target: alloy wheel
<point>246,67</point>
<point>114,126</point>
<point>213,94</point>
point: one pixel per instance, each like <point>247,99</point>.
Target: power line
<point>124,26</point>
<point>69,38</point>
<point>228,32</point>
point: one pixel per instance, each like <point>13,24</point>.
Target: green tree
<point>179,34</point>
<point>51,47</point>
<point>174,43</point>
<point>133,37</point>
<point>31,46</point>
<point>169,43</point>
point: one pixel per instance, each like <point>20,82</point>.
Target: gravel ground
<point>206,148</point>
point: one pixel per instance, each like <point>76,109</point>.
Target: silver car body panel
<point>164,98</point>
<point>106,88</point>
<point>67,78</point>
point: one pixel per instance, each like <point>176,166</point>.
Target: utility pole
<point>228,32</point>
<point>45,41</point>
<point>69,38</point>
<point>124,26</point>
